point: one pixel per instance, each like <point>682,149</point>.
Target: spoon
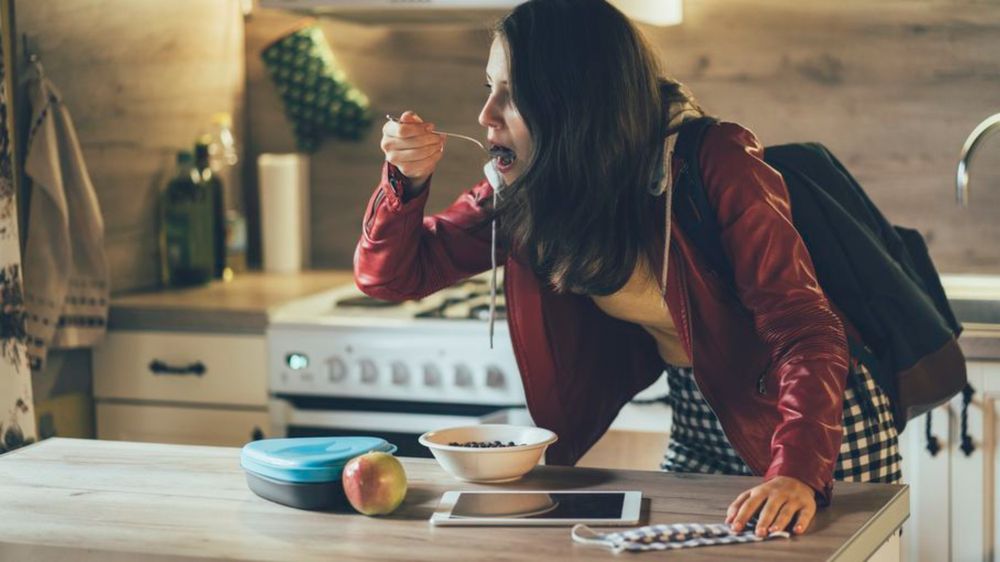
<point>456,135</point>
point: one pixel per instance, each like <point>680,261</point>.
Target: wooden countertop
<point>242,306</point>
<point>71,499</point>
<point>237,306</point>
<point>980,341</point>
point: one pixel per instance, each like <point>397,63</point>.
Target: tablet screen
<point>540,505</point>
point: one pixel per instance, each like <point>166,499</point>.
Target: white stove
<point>343,363</point>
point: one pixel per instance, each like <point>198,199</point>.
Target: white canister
<point>284,211</point>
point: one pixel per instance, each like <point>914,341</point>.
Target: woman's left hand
<point>779,500</point>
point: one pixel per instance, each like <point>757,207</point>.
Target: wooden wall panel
<point>435,70</point>
<point>893,88</point>
<point>141,78</point>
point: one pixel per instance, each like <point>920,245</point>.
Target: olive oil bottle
<point>187,227</point>
<point>213,183</point>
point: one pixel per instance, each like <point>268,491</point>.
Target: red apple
<point>374,483</point>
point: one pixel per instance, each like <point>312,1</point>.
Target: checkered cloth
<point>869,451</point>
<point>670,537</point>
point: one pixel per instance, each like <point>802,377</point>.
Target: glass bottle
<point>213,184</point>
<point>223,157</point>
<point>222,146</point>
<point>187,227</point>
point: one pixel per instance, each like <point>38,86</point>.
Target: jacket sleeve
<point>404,255</point>
<point>776,282</point>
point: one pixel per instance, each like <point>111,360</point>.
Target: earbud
<point>493,176</point>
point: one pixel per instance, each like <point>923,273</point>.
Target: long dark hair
<point>589,89</point>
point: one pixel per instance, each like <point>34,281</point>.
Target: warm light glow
<point>654,12</point>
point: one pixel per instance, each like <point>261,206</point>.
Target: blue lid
<point>307,459</point>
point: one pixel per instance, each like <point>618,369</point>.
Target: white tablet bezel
<point>631,505</point>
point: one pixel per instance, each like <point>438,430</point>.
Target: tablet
<point>538,508</point>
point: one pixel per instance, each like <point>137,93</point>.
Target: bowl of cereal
<point>488,453</point>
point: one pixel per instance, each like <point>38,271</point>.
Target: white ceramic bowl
<point>495,464</point>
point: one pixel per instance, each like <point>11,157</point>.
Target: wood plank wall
<point>892,87</point>
<point>141,78</point>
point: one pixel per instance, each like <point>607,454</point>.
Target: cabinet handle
<point>257,434</point>
<point>158,367</point>
<point>967,445</point>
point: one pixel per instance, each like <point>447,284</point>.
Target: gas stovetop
<point>467,300</point>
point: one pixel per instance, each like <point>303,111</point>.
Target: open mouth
<point>503,157</point>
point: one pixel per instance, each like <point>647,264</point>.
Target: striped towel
<point>65,266</point>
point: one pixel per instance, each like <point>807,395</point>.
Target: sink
<point>974,298</point>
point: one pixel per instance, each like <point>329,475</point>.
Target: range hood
<point>333,5</point>
<point>654,12</point>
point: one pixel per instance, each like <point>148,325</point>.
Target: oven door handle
<point>377,421</point>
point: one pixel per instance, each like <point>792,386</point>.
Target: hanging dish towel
<point>65,267</point>
<point>669,537</point>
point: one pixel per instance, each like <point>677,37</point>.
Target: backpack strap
<point>691,207</point>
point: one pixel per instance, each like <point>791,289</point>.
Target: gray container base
<point>312,496</point>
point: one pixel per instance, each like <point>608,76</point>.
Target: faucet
<point>984,130</point>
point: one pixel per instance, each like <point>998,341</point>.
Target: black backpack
<point>878,274</point>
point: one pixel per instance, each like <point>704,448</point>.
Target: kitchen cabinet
<point>189,366</point>
<point>182,367</point>
<point>926,534</point>
<point>186,425</point>
<point>954,506</point>
<point>185,388</point>
<point>973,483</point>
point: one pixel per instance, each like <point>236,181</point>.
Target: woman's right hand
<point>413,147</point>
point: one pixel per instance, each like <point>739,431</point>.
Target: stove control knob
<point>369,373</point>
<point>463,376</point>
<point>336,369</point>
<point>400,374</point>
<point>432,375</point>
<point>495,378</point>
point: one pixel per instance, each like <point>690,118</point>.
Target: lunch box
<point>304,472</point>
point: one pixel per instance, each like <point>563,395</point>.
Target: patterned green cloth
<point>319,100</point>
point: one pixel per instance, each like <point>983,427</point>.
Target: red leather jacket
<point>770,357</point>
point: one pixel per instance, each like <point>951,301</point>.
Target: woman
<point>604,291</point>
